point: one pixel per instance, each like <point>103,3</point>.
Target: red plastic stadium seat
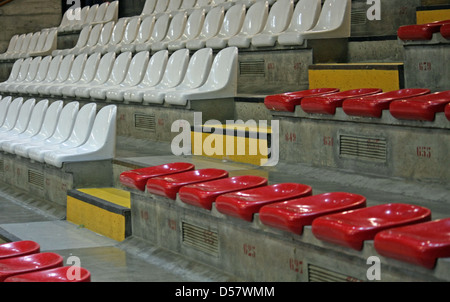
<point>445,31</point>
<point>205,193</point>
<point>420,244</point>
<point>287,101</point>
<point>169,185</point>
<point>352,228</point>
<point>293,215</point>
<point>18,248</point>
<point>59,274</point>
<point>137,178</point>
<point>373,106</point>
<point>243,204</point>
<point>423,108</point>
<point>327,104</point>
<point>420,31</point>
<point>29,263</point>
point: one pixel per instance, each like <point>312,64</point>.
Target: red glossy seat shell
<point>373,106</point>
<point>422,108</point>
<point>169,185</point>
<point>294,214</point>
<point>327,104</point>
<point>18,248</point>
<point>287,101</point>
<point>352,228</point>
<point>205,193</point>
<point>243,204</point>
<point>29,263</point>
<point>417,32</point>
<point>421,244</point>
<point>137,178</point>
<point>59,274</point>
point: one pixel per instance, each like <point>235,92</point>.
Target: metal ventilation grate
<point>368,148</point>
<point>319,274</point>
<point>200,238</point>
<point>252,68</point>
<point>358,16</point>
<point>145,121</point>
<point>36,178</point>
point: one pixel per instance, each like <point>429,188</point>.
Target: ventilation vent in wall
<point>366,148</point>
<point>36,178</point>
<point>145,121</point>
<point>200,238</point>
<point>252,68</point>
<point>319,274</point>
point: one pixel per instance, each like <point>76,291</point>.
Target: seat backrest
<point>36,118</point>
<point>149,7</point>
<point>44,65</point>
<point>131,30</point>
<point>94,35</point>
<point>90,68</point>
<point>224,69</point>
<point>91,14</point>
<point>112,12</point>
<point>101,11</point>
<point>332,14</point>
<point>233,20</point>
<point>120,68</point>
<point>78,66</point>
<point>305,16</point>
<point>4,104</point>
<point>32,71</point>
<point>194,24</point>
<point>137,68</point>
<point>145,29</point>
<point>41,41</point>
<point>104,130</point>
<point>160,28</point>
<point>82,126</point>
<point>106,33</point>
<point>64,68</point>
<point>65,123</point>
<point>175,69</point>
<point>50,120</point>
<point>104,68</point>
<point>24,115</point>
<point>161,6</point>
<point>118,31</point>
<point>280,15</point>
<point>213,21</point>
<point>155,68</point>
<point>198,69</point>
<point>176,26</point>
<point>24,67</point>
<point>15,70</point>
<point>255,19</point>
<point>11,115</point>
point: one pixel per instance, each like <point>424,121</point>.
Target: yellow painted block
<point>353,76</point>
<point>427,16</point>
<point>108,218</point>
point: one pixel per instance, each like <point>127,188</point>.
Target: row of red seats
<point>422,32</point>
<point>401,231</point>
<point>22,261</point>
<point>406,104</point>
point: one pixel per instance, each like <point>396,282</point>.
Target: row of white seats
<point>143,78</point>
<point>237,26</point>
<point>54,133</point>
<point>40,43</point>
<point>75,18</point>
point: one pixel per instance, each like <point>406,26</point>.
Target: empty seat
<point>327,104</point>
<point>137,178</point>
<point>304,18</point>
<point>62,131</point>
<point>213,21</point>
<point>254,22</point>
<point>293,215</point>
<point>153,75</point>
<point>421,244</point>
<point>19,248</point>
<point>422,108</point>
<point>158,33</point>
<point>196,74</point>
<point>29,263</point>
<point>288,100</point>
<point>279,18</point>
<point>244,204</point>
<point>173,75</point>
<point>82,127</point>
<point>174,31</point>
<point>221,82</point>
<point>169,185</point>
<point>61,77</point>
<point>420,32</point>
<point>74,76</point>
<point>352,228</point>
<point>144,32</point>
<point>192,29</point>
<point>204,194</point>
<point>45,131</point>
<point>373,105</point>
<point>59,274</point>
